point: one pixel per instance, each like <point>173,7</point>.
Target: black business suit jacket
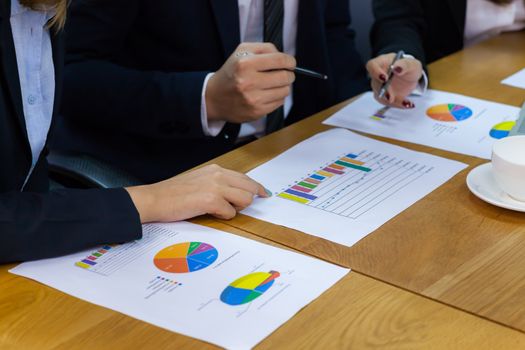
<point>426,29</point>
<point>33,222</point>
<point>135,71</point>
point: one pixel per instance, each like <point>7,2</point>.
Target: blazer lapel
<point>459,11</point>
<point>9,63</point>
<point>227,19</point>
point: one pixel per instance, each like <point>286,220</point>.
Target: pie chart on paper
<point>248,288</point>
<point>501,130</point>
<point>185,257</point>
<point>449,112</point>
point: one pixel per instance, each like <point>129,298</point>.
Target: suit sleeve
<point>399,25</point>
<point>36,226</point>
<point>100,92</point>
<point>347,65</point>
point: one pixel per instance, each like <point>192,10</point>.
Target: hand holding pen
<point>390,75</point>
<point>253,82</point>
<point>296,70</point>
<point>394,78</point>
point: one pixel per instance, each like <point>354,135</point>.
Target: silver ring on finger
<point>242,54</point>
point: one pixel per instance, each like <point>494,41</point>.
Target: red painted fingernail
<point>408,104</point>
<point>398,70</point>
<point>382,77</point>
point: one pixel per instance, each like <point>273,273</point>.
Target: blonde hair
<point>60,7</point>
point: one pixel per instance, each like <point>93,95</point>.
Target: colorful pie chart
<point>449,112</point>
<point>185,257</point>
<point>248,288</point>
<point>501,130</point>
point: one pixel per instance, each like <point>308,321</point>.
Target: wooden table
<point>450,246</point>
<point>444,274</point>
<point>357,313</point>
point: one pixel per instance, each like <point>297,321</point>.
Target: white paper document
<point>516,80</point>
<point>194,280</point>
<point>441,120</point>
<point>341,186</point>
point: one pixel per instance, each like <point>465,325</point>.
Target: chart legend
<point>380,114</point>
<point>248,288</point>
<point>449,112</point>
<point>92,260</point>
<point>502,130</point>
<point>185,257</point>
<point>161,285</point>
<point>112,258</point>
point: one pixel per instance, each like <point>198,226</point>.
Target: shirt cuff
<point>210,128</point>
<point>422,87</point>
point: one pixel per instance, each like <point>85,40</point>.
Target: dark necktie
<point>273,33</point>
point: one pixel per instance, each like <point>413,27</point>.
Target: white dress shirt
<point>485,19</point>
<point>251,21</point>
<point>36,73</point>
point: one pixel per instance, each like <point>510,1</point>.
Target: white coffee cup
<point>508,165</point>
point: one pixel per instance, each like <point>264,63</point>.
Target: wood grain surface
<point>357,313</point>
<point>449,246</point>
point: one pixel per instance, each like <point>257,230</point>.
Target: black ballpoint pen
<point>310,73</point>
<point>298,70</point>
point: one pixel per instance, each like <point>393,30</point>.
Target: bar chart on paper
<point>355,183</point>
<point>112,258</point>
<point>342,186</point>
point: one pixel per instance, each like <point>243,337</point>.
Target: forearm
<point>348,73</point>
<point>399,25</point>
<point>36,226</point>
<point>152,104</point>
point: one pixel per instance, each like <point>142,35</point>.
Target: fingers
<point>248,185</point>
<point>392,100</point>
<point>273,61</point>
<point>378,67</point>
<point>257,48</point>
<point>275,79</point>
<point>222,209</point>
<point>245,183</point>
<point>258,103</point>
<point>228,202</point>
<point>238,198</point>
<point>406,75</point>
<point>409,69</point>
<point>271,96</point>
<point>235,179</point>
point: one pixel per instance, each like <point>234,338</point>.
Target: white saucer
<point>481,182</point>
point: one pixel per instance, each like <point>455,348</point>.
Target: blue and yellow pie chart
<point>248,288</point>
<point>501,130</point>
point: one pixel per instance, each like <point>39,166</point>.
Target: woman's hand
<point>208,190</point>
<point>407,73</point>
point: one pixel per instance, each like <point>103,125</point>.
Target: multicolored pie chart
<point>449,112</point>
<point>501,130</point>
<point>248,288</point>
<point>185,257</point>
